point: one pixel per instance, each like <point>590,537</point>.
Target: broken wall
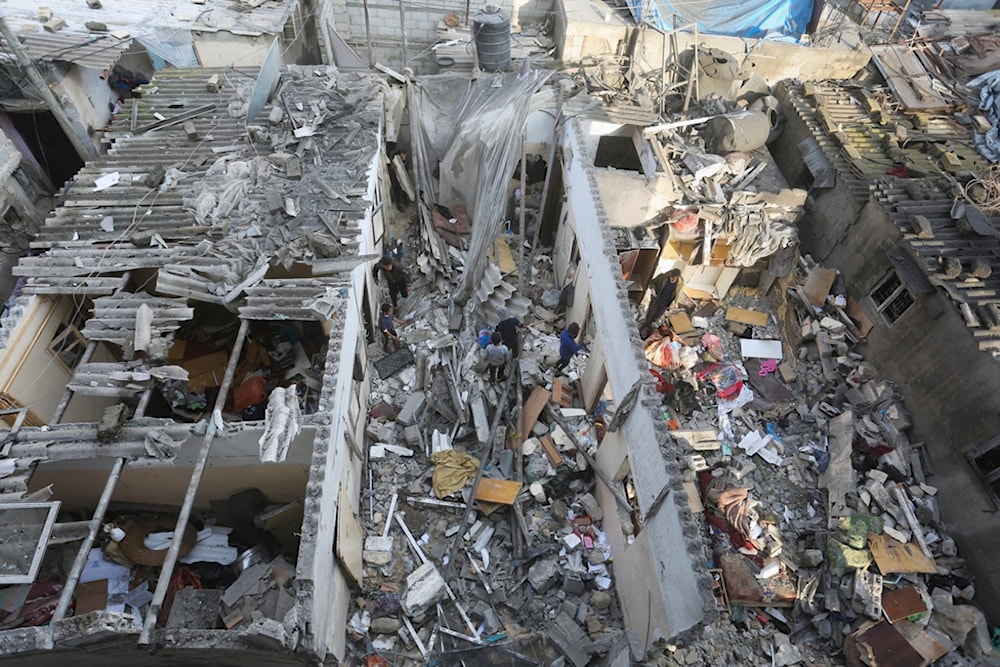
<point>589,28</point>
<point>422,25</point>
<point>333,492</point>
<point>672,546</point>
<point>951,388</point>
<point>30,372</point>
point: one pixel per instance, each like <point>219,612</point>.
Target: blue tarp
<point>785,19</point>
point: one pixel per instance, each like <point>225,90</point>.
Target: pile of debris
<point>470,548</point>
<point>826,538</point>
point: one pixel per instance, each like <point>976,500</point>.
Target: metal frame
<point>43,539</point>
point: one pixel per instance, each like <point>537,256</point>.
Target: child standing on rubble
<point>387,322</point>
<point>568,346</point>
<point>497,355</point>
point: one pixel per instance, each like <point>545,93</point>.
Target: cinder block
<point>411,409</point>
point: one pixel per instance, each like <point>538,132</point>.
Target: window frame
<point>884,305</point>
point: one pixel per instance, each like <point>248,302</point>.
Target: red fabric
<point>899,170</point>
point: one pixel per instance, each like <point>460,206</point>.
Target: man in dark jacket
<point>395,277</point>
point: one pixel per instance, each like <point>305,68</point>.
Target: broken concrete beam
<point>195,608</point>
<point>245,583</point>
<point>411,409</point>
<point>571,640</point>
<point>424,587</point>
<point>109,428</point>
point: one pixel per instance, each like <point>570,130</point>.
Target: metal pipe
<point>96,522</point>
<point>140,409</point>
<point>163,583</point>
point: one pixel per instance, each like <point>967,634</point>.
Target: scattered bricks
<point>573,584</point>
<point>191,131</point>
<point>696,462</point>
<point>276,115</point>
<point>423,588</point>
<point>541,575</point>
<point>378,549</point>
<point>412,435</point>
<point>44,14</point>
<point>274,200</point>
<point>981,124</point>
<point>809,89</point>
<point>411,410</point>
<point>96,26</point>
<point>980,268</point>
<point>600,600</point>
<point>741,468</point>
<point>921,226</point>
<point>591,507</point>
<point>213,84</point>
<point>293,169</point>
<point>810,558</point>
<point>55,25</point>
<point>94,4</point>
<point>949,160</point>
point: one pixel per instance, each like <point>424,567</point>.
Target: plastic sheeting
<point>988,144</point>
<point>467,138</point>
<point>759,19</point>
<point>169,46</point>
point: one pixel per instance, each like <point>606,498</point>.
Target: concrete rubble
<point>826,545</point>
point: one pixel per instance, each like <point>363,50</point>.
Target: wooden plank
<point>550,451</point>
<point>902,603</point>
<point>533,408</point>
<point>744,316</point>
<point>505,257</point>
<point>818,285</point>
<point>893,556</point>
<point>562,393</point>
<point>500,491</point>
<point>681,322</point>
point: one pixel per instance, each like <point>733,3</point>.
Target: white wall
<point>681,587</point>
<point>421,23</point>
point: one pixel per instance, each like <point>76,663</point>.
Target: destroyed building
<point>206,268</point>
<point>749,475</point>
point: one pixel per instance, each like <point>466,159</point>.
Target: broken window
<point>985,459</point>
<point>68,344</point>
<point>891,297</point>
<point>618,152</point>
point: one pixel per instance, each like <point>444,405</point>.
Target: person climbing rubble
<point>568,346</point>
<point>497,354</point>
<point>396,278</point>
<point>387,322</point>
<point>507,326</point>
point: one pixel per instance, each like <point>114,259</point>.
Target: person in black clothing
<point>507,328</point>
<point>395,277</point>
<point>668,286</point>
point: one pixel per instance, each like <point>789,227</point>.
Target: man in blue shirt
<point>568,346</point>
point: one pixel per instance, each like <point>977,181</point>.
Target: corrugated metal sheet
<point>138,16</point>
<point>96,51</point>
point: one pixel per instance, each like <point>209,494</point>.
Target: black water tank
<point>491,30</point>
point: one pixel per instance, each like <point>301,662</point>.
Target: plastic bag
<point>725,378</point>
